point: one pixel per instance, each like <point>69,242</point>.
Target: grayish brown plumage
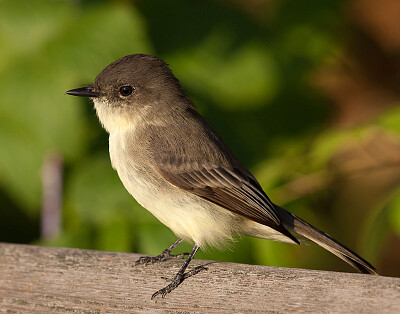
<point>176,166</point>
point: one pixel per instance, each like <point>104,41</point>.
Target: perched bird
<point>176,166</point>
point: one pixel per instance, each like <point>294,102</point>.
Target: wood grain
<point>35,279</point>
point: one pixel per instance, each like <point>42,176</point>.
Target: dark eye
<point>126,90</point>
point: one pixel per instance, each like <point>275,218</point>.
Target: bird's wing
<point>231,189</point>
<point>206,167</point>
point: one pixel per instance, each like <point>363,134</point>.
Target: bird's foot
<point>177,280</point>
<point>164,256</point>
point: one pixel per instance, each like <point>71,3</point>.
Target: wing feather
<point>228,188</point>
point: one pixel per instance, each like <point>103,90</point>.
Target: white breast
<point>128,171</point>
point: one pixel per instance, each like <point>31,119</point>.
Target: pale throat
<point>116,119</point>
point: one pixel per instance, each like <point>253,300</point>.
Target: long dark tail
<point>296,224</point>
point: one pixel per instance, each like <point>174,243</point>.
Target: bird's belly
<point>192,218</point>
<point>187,215</point>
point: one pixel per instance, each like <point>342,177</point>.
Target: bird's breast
<point>133,170</point>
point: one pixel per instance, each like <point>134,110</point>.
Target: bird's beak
<point>83,92</point>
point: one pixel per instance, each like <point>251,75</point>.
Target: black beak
<point>83,92</point>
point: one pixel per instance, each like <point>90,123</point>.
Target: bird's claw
<point>145,260</point>
<point>176,281</point>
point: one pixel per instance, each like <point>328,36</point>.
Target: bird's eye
<point>126,90</point>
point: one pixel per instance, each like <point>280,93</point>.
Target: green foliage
<point>250,77</point>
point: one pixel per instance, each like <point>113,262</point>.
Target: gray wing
<point>231,189</point>
<point>228,188</point>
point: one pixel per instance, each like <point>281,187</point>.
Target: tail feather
<point>299,226</point>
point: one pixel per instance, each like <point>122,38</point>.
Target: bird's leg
<point>164,256</point>
<point>180,275</point>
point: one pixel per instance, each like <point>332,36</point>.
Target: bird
<point>173,162</point>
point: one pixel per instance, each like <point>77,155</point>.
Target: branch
<point>45,279</point>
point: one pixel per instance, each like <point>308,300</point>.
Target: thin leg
<point>165,255</point>
<point>181,275</point>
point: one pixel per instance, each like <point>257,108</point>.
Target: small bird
<point>177,167</point>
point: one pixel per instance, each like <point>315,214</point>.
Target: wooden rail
<point>35,279</point>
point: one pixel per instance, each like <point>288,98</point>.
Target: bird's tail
<point>299,226</point>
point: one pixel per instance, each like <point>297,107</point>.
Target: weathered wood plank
<point>43,279</point>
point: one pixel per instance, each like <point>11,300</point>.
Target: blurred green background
<point>306,94</point>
